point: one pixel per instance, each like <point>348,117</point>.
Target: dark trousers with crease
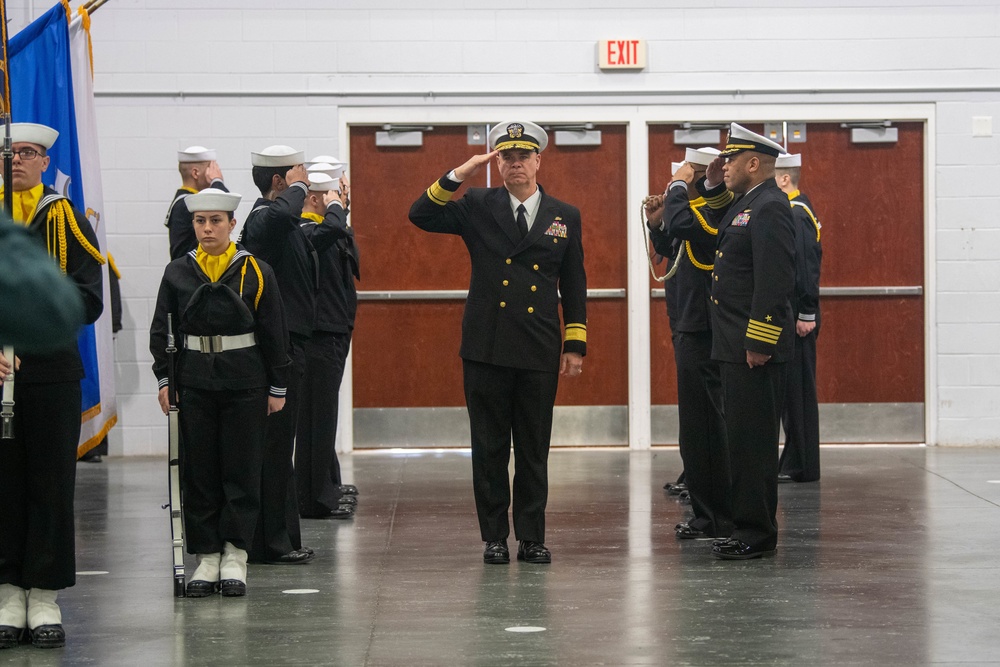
<point>800,418</point>
<point>278,530</point>
<point>752,400</point>
<point>317,468</point>
<point>505,404</point>
<point>702,433</point>
<point>221,459</point>
<point>37,480</point>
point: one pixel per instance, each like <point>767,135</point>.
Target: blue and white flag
<point>52,84</point>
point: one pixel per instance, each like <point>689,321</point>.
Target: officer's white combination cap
<point>326,159</point>
<point>788,161</point>
<point>196,154</point>
<point>331,170</point>
<point>213,199</point>
<point>741,139</point>
<point>277,156</point>
<point>518,134</point>
<point>33,133</point>
<point>320,182</point>
<point>701,156</point>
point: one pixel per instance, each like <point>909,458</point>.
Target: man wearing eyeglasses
<point>38,466</point>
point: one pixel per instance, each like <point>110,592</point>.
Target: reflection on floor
<point>890,559</point>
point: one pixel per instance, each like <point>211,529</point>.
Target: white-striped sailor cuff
<point>807,317</point>
<point>162,382</point>
<point>676,184</point>
<point>305,188</point>
<point>277,392</point>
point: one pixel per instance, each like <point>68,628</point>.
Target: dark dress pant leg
<point>316,433</point>
<point>752,399</point>
<point>702,433</point>
<point>534,397</point>
<point>201,489</point>
<point>800,417</point>
<point>37,482</point>
<point>278,530</point>
<point>243,416</point>
<point>489,399</point>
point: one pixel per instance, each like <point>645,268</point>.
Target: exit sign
<point>621,54</point>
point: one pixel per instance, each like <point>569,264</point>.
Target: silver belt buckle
<point>210,344</point>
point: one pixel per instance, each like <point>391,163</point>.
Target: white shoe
<point>233,571</point>
<point>45,619</point>
<point>205,580</point>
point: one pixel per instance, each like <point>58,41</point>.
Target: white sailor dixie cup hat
<point>701,156</point>
<point>326,159</point>
<point>788,161</point>
<point>213,199</point>
<point>741,139</point>
<point>675,166</point>
<point>320,182</point>
<point>331,170</point>
<point>277,156</point>
<point>196,154</point>
<point>33,133</point>
<point>518,134</point>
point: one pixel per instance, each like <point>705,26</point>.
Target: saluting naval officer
<point>199,170</point>
<point>752,331</point>
<point>799,460</point>
<point>228,315</point>
<point>272,232</point>
<point>676,217</point>
<point>526,249</point>
<point>38,467</point>
<point>317,470</point>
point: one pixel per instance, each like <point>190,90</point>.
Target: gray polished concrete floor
<point>889,560</point>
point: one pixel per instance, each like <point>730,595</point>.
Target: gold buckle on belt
<point>210,343</point>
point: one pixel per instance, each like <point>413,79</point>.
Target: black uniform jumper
<point>38,467</point>
<point>223,394</point>
<point>511,342</point>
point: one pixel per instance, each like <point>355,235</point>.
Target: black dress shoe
<point>10,636</point>
<point>533,552</point>
<point>784,478</point>
<point>296,557</point>
<point>496,553</point>
<point>48,636</point>
<point>684,531</point>
<point>341,512</point>
<point>739,550</point>
<point>720,541</point>
<point>347,500</point>
<point>199,588</point>
<point>349,489</point>
<point>684,497</point>
<point>675,488</point>
<point>232,588</point>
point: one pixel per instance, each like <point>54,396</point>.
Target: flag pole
<point>7,399</point>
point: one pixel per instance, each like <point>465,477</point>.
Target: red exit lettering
<point>622,52</point>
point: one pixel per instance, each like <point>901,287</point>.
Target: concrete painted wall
<point>240,75</point>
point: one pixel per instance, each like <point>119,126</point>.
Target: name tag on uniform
<point>556,229</point>
<point>742,220</point>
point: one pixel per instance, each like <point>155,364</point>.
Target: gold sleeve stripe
<point>770,341</point>
<point>720,200</point>
<point>439,195</point>
<point>704,223</point>
<point>765,326</point>
<point>576,333</point>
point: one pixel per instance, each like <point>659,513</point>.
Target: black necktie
<point>522,220</point>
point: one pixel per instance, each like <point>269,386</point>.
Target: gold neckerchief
<point>215,265</point>
<point>315,217</point>
<point>25,202</point>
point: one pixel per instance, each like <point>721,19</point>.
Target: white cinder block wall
<point>241,74</point>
